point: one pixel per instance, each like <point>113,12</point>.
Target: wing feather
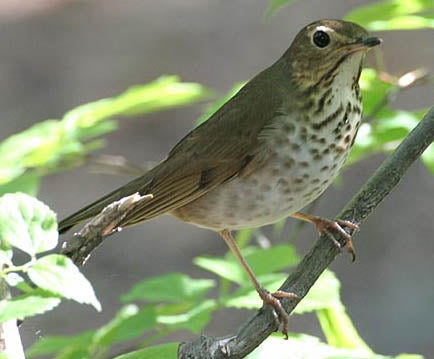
<point>225,146</point>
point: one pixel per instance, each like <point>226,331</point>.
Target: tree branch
<point>10,340</point>
<point>79,247</point>
<point>379,185</point>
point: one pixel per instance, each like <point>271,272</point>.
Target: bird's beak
<point>370,41</point>
<point>364,43</point>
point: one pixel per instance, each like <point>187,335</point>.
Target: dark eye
<point>321,38</point>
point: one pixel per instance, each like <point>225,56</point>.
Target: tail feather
<point>137,185</point>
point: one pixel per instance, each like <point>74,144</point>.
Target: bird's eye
<point>321,38</point>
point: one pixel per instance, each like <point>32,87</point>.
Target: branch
<point>258,328</point>
<point>10,340</point>
<point>79,247</point>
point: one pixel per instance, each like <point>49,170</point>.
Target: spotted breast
<point>306,148</point>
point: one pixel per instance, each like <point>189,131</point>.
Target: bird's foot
<point>324,226</point>
<point>273,300</point>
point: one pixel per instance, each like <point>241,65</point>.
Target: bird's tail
<point>140,184</point>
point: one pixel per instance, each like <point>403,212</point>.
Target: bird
<point>265,154</point>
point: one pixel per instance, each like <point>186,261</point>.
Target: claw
<point>280,315</point>
<point>324,225</point>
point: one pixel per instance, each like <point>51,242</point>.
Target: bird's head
<point>324,48</point>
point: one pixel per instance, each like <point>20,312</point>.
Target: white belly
<point>298,171</point>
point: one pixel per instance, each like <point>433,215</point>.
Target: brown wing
<point>216,151</point>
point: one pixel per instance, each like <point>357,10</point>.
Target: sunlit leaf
<point>402,23</point>
<point>262,261</point>
<point>275,258</point>
<point>52,144</point>
<point>384,134</point>
<point>27,223</point>
<point>163,93</point>
<point>373,89</point>
<point>27,183</point>
<point>302,346</point>
<point>428,158</point>
<point>56,344</point>
<point>14,279</point>
<point>174,287</point>
<point>394,15</point>
<point>324,294</point>
<point>193,320</point>
<point>6,254</point>
<point>27,305</point>
<point>223,267</point>
<point>162,351</point>
<point>246,297</point>
<point>339,330</point>
<point>129,323</point>
<point>58,274</point>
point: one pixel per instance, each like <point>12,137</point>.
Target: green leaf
<point>246,297</point>
<point>262,261</point>
<point>162,351</point>
<point>194,319</point>
<point>27,305</point>
<point>302,346</point>
<point>244,237</point>
<point>74,353</point>
<point>14,279</point>
<point>27,183</point>
<point>373,90</point>
<point>129,323</point>
<point>58,274</point>
<point>223,267</point>
<point>27,148</point>
<point>394,15</point>
<point>50,145</point>
<point>27,223</point>
<point>166,92</point>
<point>25,287</point>
<point>275,5</point>
<point>268,260</point>
<point>41,146</point>
<point>6,255</point>
<point>402,23</point>
<point>57,344</point>
<point>163,93</point>
<point>428,158</point>
<point>323,295</point>
<point>395,127</point>
<point>384,134</point>
<point>174,287</point>
<point>339,329</point>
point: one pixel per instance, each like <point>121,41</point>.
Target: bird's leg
<point>271,299</point>
<point>323,225</point>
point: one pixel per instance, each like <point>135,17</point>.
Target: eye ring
<point>321,39</point>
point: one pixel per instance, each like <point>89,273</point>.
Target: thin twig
<point>115,165</point>
<point>10,340</point>
<point>258,328</point>
<point>79,247</point>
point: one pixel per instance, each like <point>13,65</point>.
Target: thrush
<point>268,152</point>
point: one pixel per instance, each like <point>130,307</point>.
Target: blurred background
<point>57,54</point>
